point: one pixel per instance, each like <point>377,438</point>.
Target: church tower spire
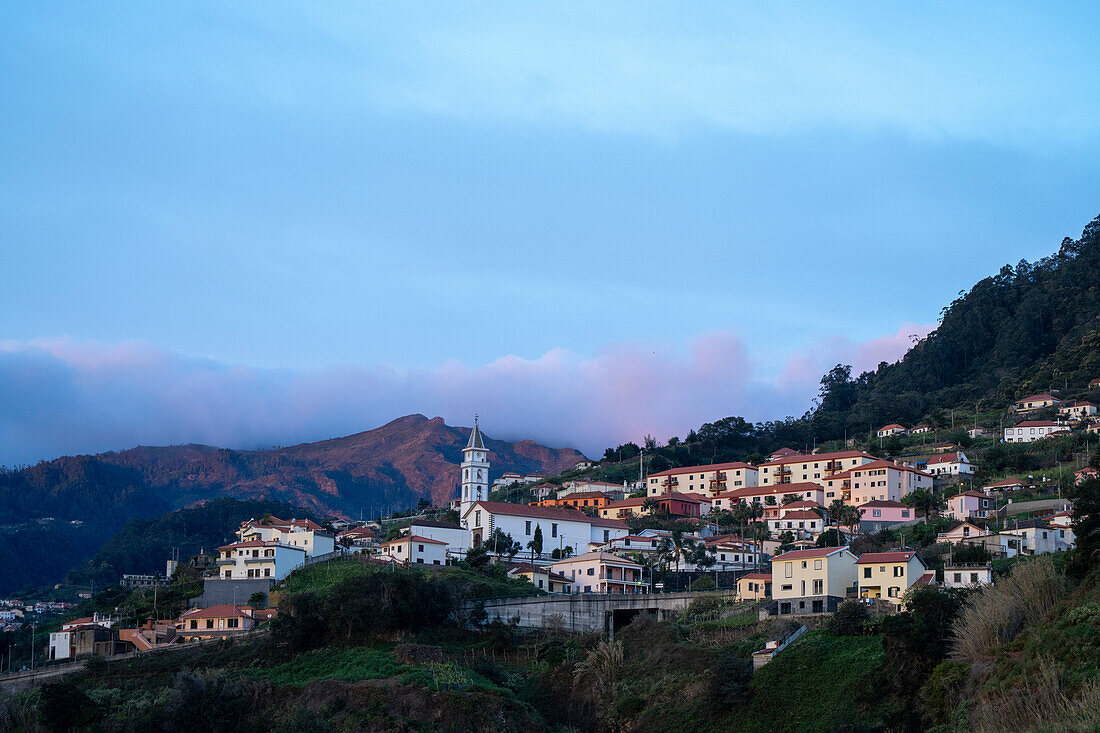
<point>475,472</point>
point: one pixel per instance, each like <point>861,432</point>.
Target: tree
<point>923,500</point>
<point>1086,528</point>
<point>477,557</point>
<point>535,545</point>
<point>502,543</point>
<point>791,498</point>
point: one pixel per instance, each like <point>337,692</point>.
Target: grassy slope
<point>817,684</point>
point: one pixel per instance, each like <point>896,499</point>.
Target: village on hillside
<point>797,534</point>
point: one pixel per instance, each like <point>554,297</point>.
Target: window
<point>194,624</point>
<point>876,512</point>
<point>527,528</point>
<point>209,623</point>
<point>958,577</point>
<point>477,518</point>
<point>554,530</point>
<point>899,571</point>
<point>866,572</point>
<point>973,577</point>
<point>819,587</point>
<point>893,591</point>
<point>817,565</point>
<point>420,548</point>
<point>786,586</point>
<point>591,571</point>
<point>233,623</point>
<point>805,565</point>
<point>788,570</point>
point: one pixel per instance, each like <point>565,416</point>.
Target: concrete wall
<point>585,612</point>
<point>218,591</point>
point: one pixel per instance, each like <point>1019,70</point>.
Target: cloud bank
<point>61,396</point>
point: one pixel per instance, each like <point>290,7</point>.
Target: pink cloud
<point>803,370</point>
<point>66,396</point>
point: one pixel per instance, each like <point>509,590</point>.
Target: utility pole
<point>32,647</point>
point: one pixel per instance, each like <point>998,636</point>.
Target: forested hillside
<point>1027,329</point>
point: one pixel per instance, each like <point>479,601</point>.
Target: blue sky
<point>441,207</point>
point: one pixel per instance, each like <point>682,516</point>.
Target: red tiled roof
<point>809,553</point>
<point>818,457</point>
<point>881,463</point>
<point>1039,397</point>
<point>773,490</point>
<point>582,495</point>
<point>891,426</point>
<point>975,494</point>
<point>702,469</point>
<point>756,576</point>
<point>926,579</point>
<point>877,557</point>
<point>944,458</point>
<point>1039,424</point>
<point>798,514</point>
<point>222,611</point>
<point>413,538</point>
<point>802,504</point>
<point>259,543</point>
<point>525,510</point>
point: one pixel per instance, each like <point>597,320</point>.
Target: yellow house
<point>887,575</point>
<point>754,587</point>
<point>709,480</point>
<point>1036,402</point>
<point>814,580</point>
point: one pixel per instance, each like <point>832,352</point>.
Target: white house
<point>63,644</point>
<point>1031,430</point>
<point>949,464</point>
<point>812,581</point>
<point>967,576</point>
<point>979,432</point>
<point>1034,538</point>
<point>709,480</point>
<point>802,523</point>
<point>561,526</point>
<point>259,559</point>
<point>887,430</point>
<point>457,538</point>
<point>302,533</point>
<point>416,550</point>
<point>920,429</point>
<point>816,468</point>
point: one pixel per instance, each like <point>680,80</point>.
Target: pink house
<point>970,504</point>
<point>962,531</point>
<point>885,511</point>
<point>600,572</point>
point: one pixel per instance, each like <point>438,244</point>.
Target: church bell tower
<point>475,472</point>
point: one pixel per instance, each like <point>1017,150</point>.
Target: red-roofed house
<point>969,505</point>
<point>802,523</point>
<point>561,526</point>
<point>949,464</point>
<point>1005,484</point>
<point>812,581</point>
<point>600,572</point>
<point>889,574</point>
<point>1078,410</point>
<point>815,468</point>
<point>754,587</point>
<point>919,429</point>
<point>259,559</point>
<point>302,533</point>
<point>709,480</point>
<point>1035,402</point>
<point>215,621</point>
<point>883,514</point>
<point>416,550</point>
<point>893,429</point>
<point>771,496</point>
<point>1032,430</point>
<point>674,504</point>
<point>884,481</point>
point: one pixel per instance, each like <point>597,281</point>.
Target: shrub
<point>704,582</point>
<point>730,678</point>
<point>996,614</point>
<point>849,619</point>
